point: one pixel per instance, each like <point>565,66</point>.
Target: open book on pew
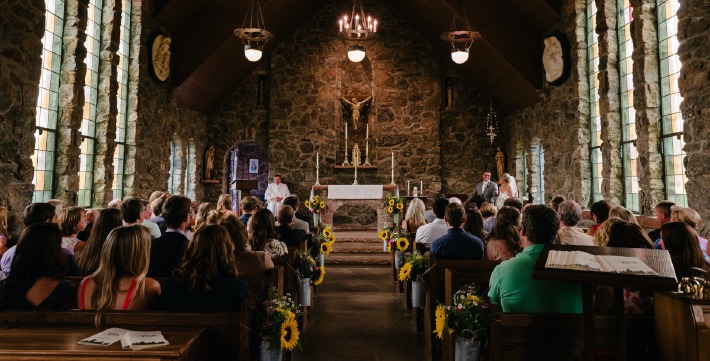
<point>583,261</point>
<point>134,340</point>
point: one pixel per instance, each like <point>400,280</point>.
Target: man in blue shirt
<point>457,243</point>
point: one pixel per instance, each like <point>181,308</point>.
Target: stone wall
<point>21,31</point>
<point>694,82</point>
<point>560,121</point>
<point>309,72</point>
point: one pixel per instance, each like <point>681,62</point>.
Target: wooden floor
<point>360,316</point>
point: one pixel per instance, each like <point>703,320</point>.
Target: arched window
<point>672,119</point>
<point>537,168</point>
<point>521,167</point>
<point>190,169</point>
<point>48,102</point>
<point>123,54</point>
<point>595,120</point>
<point>175,165</point>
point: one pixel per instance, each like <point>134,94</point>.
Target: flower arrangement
<point>276,315</point>
<point>318,276</point>
<point>315,204</point>
<point>304,265</point>
<point>396,239</point>
<point>394,204</point>
<point>415,267</point>
<point>323,242</point>
<point>467,318</point>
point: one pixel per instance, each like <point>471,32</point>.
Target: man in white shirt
<point>570,213</point>
<point>275,193</point>
<point>430,232</point>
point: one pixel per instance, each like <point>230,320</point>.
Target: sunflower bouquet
<point>304,265</point>
<point>276,315</point>
<point>394,204</point>
<point>396,239</point>
<point>467,318</point>
<point>323,242</point>
<point>315,204</point>
<point>415,267</point>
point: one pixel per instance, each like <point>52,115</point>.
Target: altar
<point>369,195</point>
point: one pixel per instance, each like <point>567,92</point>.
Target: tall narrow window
<point>521,167</point>
<point>538,167</point>
<point>48,102</point>
<point>88,121</point>
<point>122,101</point>
<point>672,120</point>
<point>190,169</point>
<point>628,112</point>
<point>173,180</point>
<point>595,121</point>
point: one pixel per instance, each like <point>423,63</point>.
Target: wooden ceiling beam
<point>172,13</point>
<point>542,14</point>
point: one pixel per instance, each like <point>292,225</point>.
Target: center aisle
<point>359,315</point>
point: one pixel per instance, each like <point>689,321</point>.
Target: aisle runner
<point>355,192</point>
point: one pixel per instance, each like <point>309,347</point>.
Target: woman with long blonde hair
<point>72,220</point>
<point>201,217</point>
<point>414,218</point>
<point>224,204</point>
<point>120,282</point>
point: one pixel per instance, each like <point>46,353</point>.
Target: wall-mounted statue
<point>358,108</point>
<point>209,162</point>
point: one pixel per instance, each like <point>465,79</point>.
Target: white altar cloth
<point>354,192</point>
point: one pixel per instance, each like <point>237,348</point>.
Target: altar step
<point>354,248</point>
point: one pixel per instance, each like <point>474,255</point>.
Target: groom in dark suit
<point>486,191</point>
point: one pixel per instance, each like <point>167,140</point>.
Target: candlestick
<point>415,192</point>
<point>317,168</point>
<point>421,188</point>
<point>367,153</point>
<point>346,153</point>
<point>355,180</point>
<point>392,167</point>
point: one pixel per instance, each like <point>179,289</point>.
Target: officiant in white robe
<point>275,193</point>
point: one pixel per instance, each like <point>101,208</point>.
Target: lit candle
<point>374,26</point>
<point>341,24</point>
<point>346,130</point>
<point>392,167</point>
<point>317,166</point>
<point>367,131</point>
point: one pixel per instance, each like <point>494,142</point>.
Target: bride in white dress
<point>507,189</point>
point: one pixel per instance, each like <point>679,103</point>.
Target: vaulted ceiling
<point>208,61</point>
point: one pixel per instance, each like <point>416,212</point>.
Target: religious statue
<point>500,163</point>
<point>356,155</point>
<point>209,162</point>
<point>356,107</point>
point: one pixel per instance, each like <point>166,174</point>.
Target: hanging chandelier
<point>357,29</point>
<point>460,36</point>
<point>253,32</point>
<point>492,123</point>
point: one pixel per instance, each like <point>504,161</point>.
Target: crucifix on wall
<point>356,107</point>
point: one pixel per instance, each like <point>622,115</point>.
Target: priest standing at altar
<point>275,193</point>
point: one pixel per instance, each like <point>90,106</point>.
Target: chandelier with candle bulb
<point>356,29</point>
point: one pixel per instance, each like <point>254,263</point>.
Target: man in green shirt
<point>512,285</point>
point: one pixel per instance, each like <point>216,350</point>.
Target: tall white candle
<point>317,165</point>
<point>408,189</point>
<point>421,187</point>
<point>367,131</point>
<point>346,130</point>
<point>392,167</point>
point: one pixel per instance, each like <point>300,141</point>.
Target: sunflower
<point>326,248</point>
<point>389,248</point>
<point>400,206</point>
<point>405,272</point>
<point>402,244</point>
<point>327,232</point>
<point>331,239</point>
<point>289,333</point>
<point>389,209</point>
<point>384,235</point>
<point>321,276</point>
<point>440,321</point>
<point>391,202</point>
<point>308,204</point>
<point>322,204</point>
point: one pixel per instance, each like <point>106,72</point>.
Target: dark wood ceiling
<point>208,61</point>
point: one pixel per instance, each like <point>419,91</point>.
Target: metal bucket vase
<point>266,354</point>
<point>418,293</point>
<point>316,219</point>
<point>398,259</point>
<point>384,246</point>
<point>321,260</point>
<point>304,292</point>
<point>467,349</point>
<point>395,219</point>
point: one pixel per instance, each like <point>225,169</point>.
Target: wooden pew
<point>478,271</point>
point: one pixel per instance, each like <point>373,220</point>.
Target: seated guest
<point>489,211</point>
<point>430,232</point>
<point>570,213</point>
<point>206,279</point>
<point>556,201</point>
<point>224,204</point>
<point>90,218</point>
<point>35,213</point>
<point>457,243</point>
<point>681,241</point>
<point>512,285</point>
<point>513,202</point>
<point>288,234</point>
<point>250,264</point>
<point>201,217</point>
<point>116,203</point>
<point>474,224</point>
<point>145,216</point>
<point>623,213</point>
<point>297,223</point>
<point>264,237</point>
<point>628,235</point>
<point>601,237</point>
<point>120,282</point>
<point>132,210</point>
<point>38,278</point>
<point>690,217</point>
<point>600,213</point>
<point>72,221</point>
<point>248,205</point>
<point>663,214</point>
<point>414,218</point>
<point>156,207</point>
<point>4,232</point>
<point>58,206</point>
<point>167,250</point>
<point>504,243</point>
<point>87,260</point>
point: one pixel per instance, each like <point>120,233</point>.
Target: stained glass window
<point>122,101</point>
<point>628,112</point>
<point>595,121</point>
